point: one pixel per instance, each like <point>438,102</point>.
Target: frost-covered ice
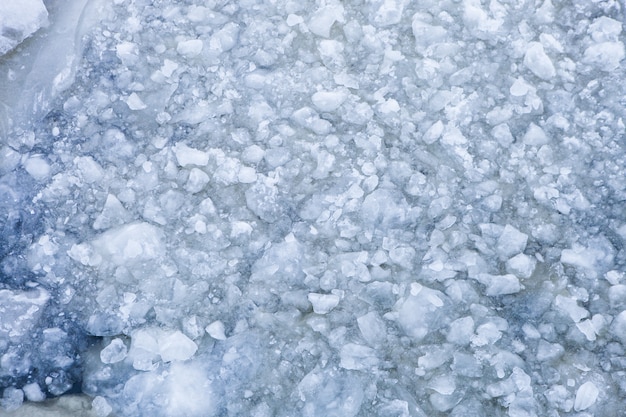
<point>316,208</point>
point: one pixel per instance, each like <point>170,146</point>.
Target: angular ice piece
<point>372,328</point>
<point>131,243</point>
<point>33,392</point>
<point>197,180</point>
<point>605,55</point>
<point>20,311</point>
<point>18,20</point>
<point>586,396</point>
<point>499,284</point>
<point>461,331</point>
<point>224,39</point>
<point>324,18</point>
<point>114,352</point>
<point>12,399</point>
<point>176,347</point>
<point>535,136</point>
<point>604,29</point>
<point>135,102</point>
<point>328,101</point>
<point>570,307</point>
<point>189,156</point>
<point>38,168</point>
<point>357,357</point>
<point>511,242</point>
<point>537,61</point>
<point>113,214</point>
<point>323,303</point>
<point>308,118</point>
<point>548,351</point>
<point>190,48</point>
<point>422,312</point>
<point>387,12</point>
<point>101,406</point>
<point>443,384</point>
<point>216,330</point>
<point>90,171</point>
<point>521,265</point>
<point>618,327</point>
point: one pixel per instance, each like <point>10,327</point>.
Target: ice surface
<point>315,208</point>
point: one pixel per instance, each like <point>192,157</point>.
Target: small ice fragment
<point>190,48</point>
<point>101,406</point>
<point>511,242</point>
<point>570,307</point>
<point>33,392</point>
<point>37,168</point>
<point>357,357</point>
<point>328,101</point>
<point>586,396</point>
<point>114,352</point>
<point>538,62</point>
<point>246,175</point>
<point>176,347</point>
<point>323,303</point>
<point>186,156</point>
<point>216,330</point>
<point>521,265</point>
<point>135,103</point>
<point>196,181</point>
<point>461,331</point>
<point>323,19</point>
<point>535,136</point>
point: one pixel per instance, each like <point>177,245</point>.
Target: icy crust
<point>301,208</point>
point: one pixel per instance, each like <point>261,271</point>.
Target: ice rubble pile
<point>19,19</point>
<point>388,208</point>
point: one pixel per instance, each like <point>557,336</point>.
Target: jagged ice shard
<point>321,208</point>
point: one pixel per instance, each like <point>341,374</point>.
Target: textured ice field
<point>313,208</point>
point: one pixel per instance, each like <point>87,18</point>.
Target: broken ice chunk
<point>197,180</point>
<point>135,102</point>
<point>113,214</point>
<point>357,357</point>
<point>421,312</point>
<point>521,265</point>
<point>499,284</point>
<point>605,55</point>
<point>216,330</point>
<point>189,48</point>
<point>535,136</point>
<point>101,406</point>
<point>324,18</point>
<point>328,101</point>
<point>538,62</point>
<point>113,352</point>
<point>372,328</point>
<point>586,396</point>
<point>189,156</point>
<point>570,307</point>
<point>461,331</point>
<point>18,20</point>
<point>387,12</point>
<point>511,242</point>
<point>176,347</point>
<point>38,168</point>
<point>20,311</point>
<point>131,243</point>
<point>323,303</point>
